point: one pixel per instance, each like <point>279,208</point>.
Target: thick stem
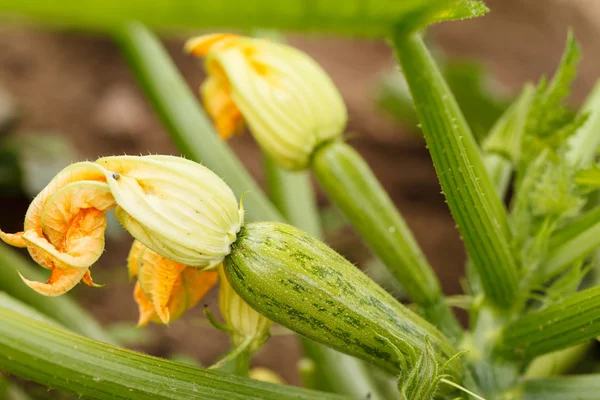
<point>353,187</point>
<point>59,359</point>
<point>479,214</point>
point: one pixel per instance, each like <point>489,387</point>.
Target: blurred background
<point>67,96</point>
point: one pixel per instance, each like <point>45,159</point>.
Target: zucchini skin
<point>299,282</point>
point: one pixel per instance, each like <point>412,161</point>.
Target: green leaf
<point>582,387</point>
<point>354,17</point>
<point>183,117</point>
<point>571,321</point>
<point>583,145</point>
<point>503,144</point>
<point>470,194</point>
<point>589,179</point>
<point>60,359</point>
<point>550,123</point>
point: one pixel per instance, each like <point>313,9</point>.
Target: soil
<point>78,85</point>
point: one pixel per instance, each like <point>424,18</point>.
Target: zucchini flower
<point>176,207</point>
<point>247,327</point>
<point>64,227</point>
<point>165,289</point>
<point>289,103</point>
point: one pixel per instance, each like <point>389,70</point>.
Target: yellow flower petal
<point>221,108</point>
<point>60,281</point>
<point>168,287</point>
<point>145,307</point>
<point>13,239</point>
<point>201,45</point>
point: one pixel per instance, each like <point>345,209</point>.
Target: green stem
<point>184,119</point>
<point>60,359</point>
<point>581,387</point>
<point>558,362</point>
<point>571,243</point>
<point>242,363</point>
<point>292,194</point>
<point>353,187</point>
<point>62,309</point>
<point>479,214</point>
<point>569,322</point>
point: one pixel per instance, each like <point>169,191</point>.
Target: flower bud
<point>244,323</point>
<point>290,104</point>
<point>165,289</point>
<point>176,207</point>
<point>265,375</point>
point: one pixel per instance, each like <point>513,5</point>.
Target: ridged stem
<point>352,186</point>
<point>479,214</point>
<point>568,322</point>
<point>59,359</point>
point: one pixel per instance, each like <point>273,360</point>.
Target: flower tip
<point>201,45</point>
<point>13,239</point>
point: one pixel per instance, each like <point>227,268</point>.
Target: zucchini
<point>299,282</point>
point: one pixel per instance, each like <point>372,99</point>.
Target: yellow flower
<point>288,101</point>
<point>246,326</point>
<point>64,227</point>
<point>165,289</point>
<point>176,207</point>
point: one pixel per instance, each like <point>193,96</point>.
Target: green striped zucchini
<point>299,282</point>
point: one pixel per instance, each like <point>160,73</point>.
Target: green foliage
<point>352,17</point>
<point>550,123</point>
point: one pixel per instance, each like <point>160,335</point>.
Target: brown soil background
<point>79,85</point>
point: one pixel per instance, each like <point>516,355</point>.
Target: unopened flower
<point>176,207</point>
<point>288,101</point>
<point>265,375</point>
<point>246,326</point>
<point>64,227</point>
<point>165,289</point>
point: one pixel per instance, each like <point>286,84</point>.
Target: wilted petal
<point>145,307</point>
<point>166,287</point>
<point>60,281</point>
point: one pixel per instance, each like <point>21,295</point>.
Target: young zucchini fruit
<point>299,282</point>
